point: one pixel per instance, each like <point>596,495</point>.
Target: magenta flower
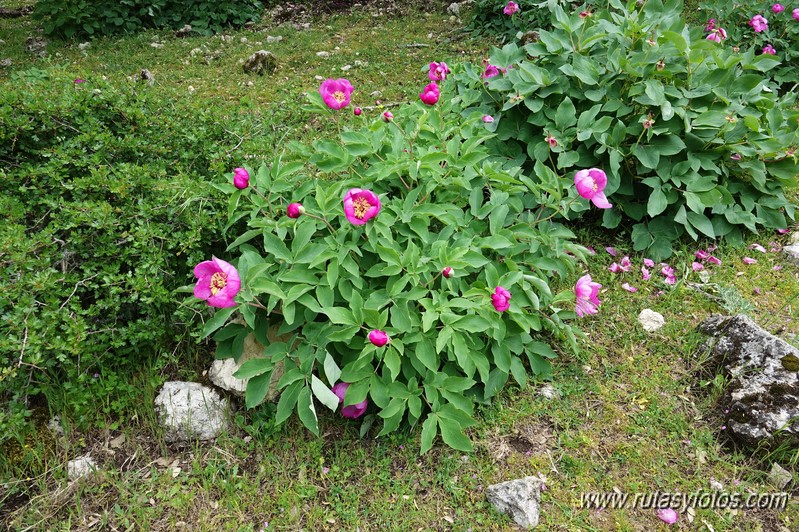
<point>438,71</point>
<point>353,411</point>
<point>295,210</point>
<point>336,93</point>
<point>357,111</point>
<point>697,267</point>
<point>668,516</point>
<point>387,116</point>
<point>585,14</point>
<point>645,275</point>
<point>714,260</point>
<point>500,299</point>
<point>360,206</point>
<point>551,141</point>
<point>625,264</point>
<point>649,263</point>
<point>490,71</point>
<point>430,94</point>
<point>795,14</point>
<point>218,282</point>
<point>241,178</point>
<point>749,260</point>
<point>488,119</point>
<point>759,23</point>
<point>586,291</point>
<point>783,231</point>
<point>378,337</point>
<point>777,8</point>
<point>614,268</point>
<point>590,184</point>
<point>702,254</point>
<point>629,288</point>
<point>768,49</point>
<point>511,8</point>
<point>447,272</point>
<point>711,25</point>
<point>79,81</point>
<point>718,35</point>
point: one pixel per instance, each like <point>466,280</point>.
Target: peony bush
<point>411,272</point>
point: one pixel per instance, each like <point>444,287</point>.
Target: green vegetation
<point>635,411</point>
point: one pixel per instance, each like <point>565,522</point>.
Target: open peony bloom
<point>717,34</point>
<point>511,8</point>
<point>295,210</point>
<point>378,337</point>
<point>336,93</point>
<point>218,282</point>
<point>759,23</point>
<point>795,14</point>
<point>590,184</point>
<point>500,299</point>
<point>586,292</point>
<point>353,411</point>
<point>438,71</point>
<point>360,206</point>
<point>430,94</point>
<point>668,516</point>
<point>241,178</point>
<point>768,49</point>
<point>490,71</point>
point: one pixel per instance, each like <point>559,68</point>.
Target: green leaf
<point>701,222</point>
<point>518,371</point>
<point>275,246</point>
<point>218,320</point>
<point>332,371</point>
<point>306,411</point>
<point>288,398</point>
<point>429,429</point>
<point>356,392</point>
<point>565,114</point>
<point>392,361</point>
<point>648,156</point>
<point>657,202</point>
<point>257,388</point>
<point>452,434</point>
<point>340,316</point>
<point>324,394</point>
<point>472,323</point>
<point>253,367</point>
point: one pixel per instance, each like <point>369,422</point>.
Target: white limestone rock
<point>189,410</point>
<point>650,320</point>
<point>518,498</point>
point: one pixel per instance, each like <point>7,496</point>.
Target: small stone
<point>6,62</point>
<point>84,45</point>
<point>650,320</point>
<point>518,498</point>
<point>454,9</point>
<point>319,78</point>
<point>55,426</point>
<point>191,89</point>
<point>80,467</point>
<point>794,238</point>
<point>185,31</point>
<point>261,62</point>
<point>792,253</point>
<point>346,67</point>
<point>323,54</point>
<point>189,410</point>
<point>548,391</point>
<point>715,485</point>
<point>250,83</point>
<point>779,477</point>
<point>226,38</point>
<point>146,75</point>
<point>243,40</point>
<point>270,39</point>
<point>157,44</point>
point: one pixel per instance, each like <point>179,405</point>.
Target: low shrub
<point>104,17</point>
<point>693,135</point>
<point>416,268</point>
<point>103,216</point>
<point>489,18</point>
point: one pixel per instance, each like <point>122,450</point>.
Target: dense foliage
<point>488,17</point>
<point>693,135</point>
<point>445,202</point>
<point>102,219</point>
<point>105,17</point>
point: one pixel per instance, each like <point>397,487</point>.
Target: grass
<point>634,413</point>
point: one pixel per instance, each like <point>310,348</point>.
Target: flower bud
<point>357,111</point>
<point>241,178</point>
<point>295,210</point>
<point>387,116</point>
<point>378,337</point>
<point>447,272</point>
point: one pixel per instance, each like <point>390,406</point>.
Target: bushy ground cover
<point>633,410</point>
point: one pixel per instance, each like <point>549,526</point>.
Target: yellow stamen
<point>218,282</point>
<point>339,96</point>
<point>359,207</point>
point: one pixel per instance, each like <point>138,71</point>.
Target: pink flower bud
<point>777,8</point>
<point>295,210</point>
<point>357,111</point>
<point>488,119</point>
<point>241,178</point>
<point>387,116</point>
<point>447,272</point>
<point>500,299</point>
<point>378,337</point>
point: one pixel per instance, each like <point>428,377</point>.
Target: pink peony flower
<point>360,206</point>
<point>353,411</point>
<point>749,260</point>
<point>447,272</point>
<point>777,8</point>
<point>295,210</point>
<point>511,8</point>
<point>711,25</point>
<point>438,71</point>
<point>241,178</point>
<point>645,275</point>
<point>336,93</point>
<point>378,337</point>
<point>500,299</point>
<point>649,263</point>
<point>718,35</point>
<point>795,14</point>
<point>586,292</point>
<point>697,266</point>
<point>488,119</point>
<point>490,71</point>
<point>218,282</point>
<point>668,516</point>
<point>759,23</point>
<point>590,184</point>
<point>357,111</point>
<point>768,49</point>
<point>387,116</point>
<point>430,94</point>
<point>629,288</point>
<point>551,141</point>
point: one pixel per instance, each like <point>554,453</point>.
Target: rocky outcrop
<point>189,411</point>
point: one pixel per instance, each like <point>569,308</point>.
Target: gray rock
<point>779,477</point>
<point>323,54</point>
<point>261,62</point>
<point>518,498</point>
<point>7,62</point>
<point>185,31</point>
<point>650,320</point>
<point>189,410</point>
<point>792,253</point>
<point>761,400</point>
<point>548,391</point>
<point>273,39</point>
<point>36,45</point>
<point>794,238</point>
<point>454,9</point>
<point>80,467</point>
<point>146,76</point>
